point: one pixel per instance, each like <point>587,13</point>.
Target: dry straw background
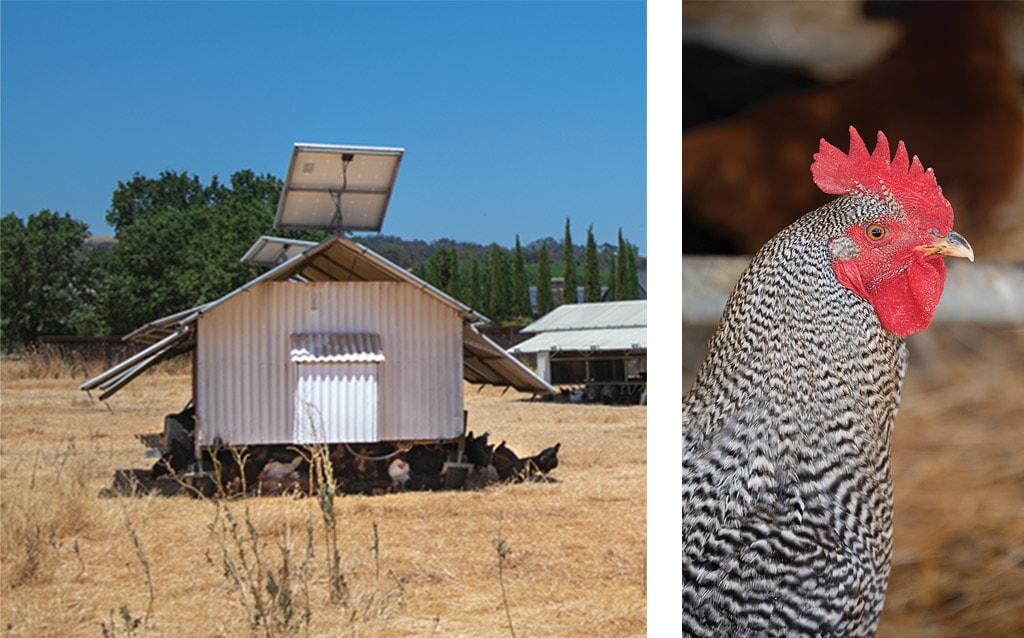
<point>571,560</point>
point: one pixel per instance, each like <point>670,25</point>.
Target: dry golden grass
<point>413,564</point>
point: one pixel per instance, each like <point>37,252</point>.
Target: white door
<point>336,388</point>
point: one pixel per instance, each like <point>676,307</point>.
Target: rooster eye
<point>876,232</point>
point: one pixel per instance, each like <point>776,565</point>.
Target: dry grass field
<point>567,557</point>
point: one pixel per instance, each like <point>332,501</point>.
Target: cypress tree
<point>569,265</point>
<point>499,302</point>
<point>545,298</point>
<point>632,283</point>
<point>475,288</point>
<point>521,306</point>
<point>591,270</point>
<point>613,279</point>
<point>621,273</point>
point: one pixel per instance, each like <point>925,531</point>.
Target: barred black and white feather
<point>787,488</point>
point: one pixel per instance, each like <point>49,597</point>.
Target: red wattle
<point>904,300</point>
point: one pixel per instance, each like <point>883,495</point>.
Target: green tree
<point>632,282</point>
<point>45,279</point>
<point>521,305</point>
<point>545,298</point>
<point>476,293</point>
<point>591,270</point>
<point>442,271</point>
<point>613,279</point>
<point>569,265</point>
<point>142,196</point>
<point>169,258</point>
<point>499,303</point>
<point>621,269</point>
<point>627,284</point>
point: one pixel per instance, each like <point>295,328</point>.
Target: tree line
<point>512,287</point>
<point>179,242</point>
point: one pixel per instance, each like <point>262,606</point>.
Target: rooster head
<point>894,259</point>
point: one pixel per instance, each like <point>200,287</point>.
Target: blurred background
<point>763,82</point>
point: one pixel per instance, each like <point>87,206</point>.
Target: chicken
<point>426,460</point>
<point>398,470</point>
<point>546,461</point>
<point>253,463</point>
<point>742,177</point>
<point>277,469</point>
<point>341,463</point>
<point>364,466</point>
<point>478,450</point>
<point>787,487</point>
<point>507,463</point>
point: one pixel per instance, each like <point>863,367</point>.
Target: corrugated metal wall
<point>246,381</point>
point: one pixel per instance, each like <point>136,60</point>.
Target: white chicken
<point>277,469</point>
<point>398,470</point>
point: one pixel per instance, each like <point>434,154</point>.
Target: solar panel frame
<point>325,179</point>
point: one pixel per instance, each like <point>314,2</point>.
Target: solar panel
<point>338,188</point>
<point>271,251</point>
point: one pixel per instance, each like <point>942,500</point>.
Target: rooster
<point>787,488</point>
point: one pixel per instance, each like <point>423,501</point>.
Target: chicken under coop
<point>355,469</point>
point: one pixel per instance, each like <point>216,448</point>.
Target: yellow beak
<point>952,245</point>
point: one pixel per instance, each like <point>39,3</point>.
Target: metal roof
<point>484,361</point>
<point>336,259</point>
<point>590,316</point>
<point>357,347</point>
<point>586,340</point>
<point>610,325</point>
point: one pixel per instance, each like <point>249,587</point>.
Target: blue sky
<point>513,115</point>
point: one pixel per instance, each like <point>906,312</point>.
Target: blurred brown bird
<point>947,89</point>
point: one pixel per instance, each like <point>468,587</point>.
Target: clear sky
<point>513,115</point>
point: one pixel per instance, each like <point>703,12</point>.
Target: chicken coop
<point>333,344</point>
<point>596,350</point>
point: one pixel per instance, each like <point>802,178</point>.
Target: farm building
<point>332,344</point>
<point>600,348</point>
<point>336,344</point>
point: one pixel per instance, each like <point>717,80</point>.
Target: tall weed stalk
<point>275,597</point>
<point>503,549</point>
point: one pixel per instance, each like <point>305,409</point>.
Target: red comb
<point>872,174</point>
